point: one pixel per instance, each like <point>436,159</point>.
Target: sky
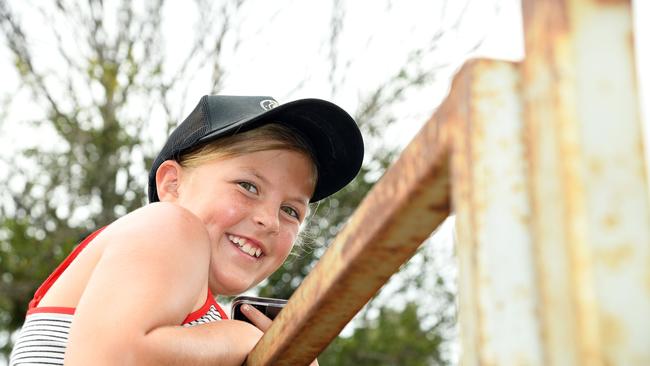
<point>275,56</point>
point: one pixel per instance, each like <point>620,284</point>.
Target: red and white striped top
<point>44,335</point>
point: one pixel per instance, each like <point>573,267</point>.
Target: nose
<point>266,216</point>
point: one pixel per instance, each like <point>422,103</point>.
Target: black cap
<point>330,131</point>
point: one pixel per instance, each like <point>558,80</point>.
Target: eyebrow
<point>257,175</point>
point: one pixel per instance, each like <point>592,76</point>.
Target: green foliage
<point>393,338</point>
<point>23,265</point>
<point>59,192</point>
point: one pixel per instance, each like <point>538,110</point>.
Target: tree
<point>393,338</point>
<point>93,170</point>
<point>117,83</point>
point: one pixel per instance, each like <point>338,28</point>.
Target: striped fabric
<point>42,340</point>
<point>44,337</point>
<point>210,316</point>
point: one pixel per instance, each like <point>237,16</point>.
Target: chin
<point>228,287</point>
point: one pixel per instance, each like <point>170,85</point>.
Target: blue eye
<point>248,186</point>
<point>291,212</point>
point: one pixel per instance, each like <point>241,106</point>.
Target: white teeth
<point>237,240</point>
<point>242,243</point>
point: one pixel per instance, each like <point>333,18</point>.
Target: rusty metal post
<point>400,212</point>
<point>497,289</point>
<point>551,196</point>
<point>588,183</point>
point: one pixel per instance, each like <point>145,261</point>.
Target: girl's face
<point>252,206</point>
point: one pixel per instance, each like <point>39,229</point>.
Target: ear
<point>168,178</point>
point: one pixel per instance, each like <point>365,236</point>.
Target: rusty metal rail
<point>544,162</point>
<point>398,214</point>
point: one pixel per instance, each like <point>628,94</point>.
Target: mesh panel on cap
<point>183,137</point>
<point>187,133</point>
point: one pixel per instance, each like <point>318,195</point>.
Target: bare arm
<point>225,342</point>
<point>147,281</point>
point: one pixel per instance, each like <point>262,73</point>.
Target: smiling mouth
<point>245,246</point>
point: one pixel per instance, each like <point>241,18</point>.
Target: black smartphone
<point>268,306</point>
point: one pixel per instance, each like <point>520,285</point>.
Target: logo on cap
<point>268,104</point>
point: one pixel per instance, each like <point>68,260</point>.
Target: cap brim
<point>332,133</point>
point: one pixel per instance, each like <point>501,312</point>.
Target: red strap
<point>209,301</point>
<point>38,295</point>
<point>219,309</point>
<point>51,309</point>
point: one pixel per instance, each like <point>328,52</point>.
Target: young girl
<point>229,192</point>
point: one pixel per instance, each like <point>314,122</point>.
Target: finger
<point>256,317</point>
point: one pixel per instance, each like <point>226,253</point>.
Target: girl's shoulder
<point>161,225</point>
<point>164,212</point>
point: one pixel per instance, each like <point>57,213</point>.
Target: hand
<point>247,336</point>
<point>261,321</point>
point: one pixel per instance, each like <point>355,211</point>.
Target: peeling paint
<point>611,221</point>
<point>617,256</point>
<point>612,329</point>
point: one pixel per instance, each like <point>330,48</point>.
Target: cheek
<point>227,213</point>
<point>286,244</point>
<point>230,215</point>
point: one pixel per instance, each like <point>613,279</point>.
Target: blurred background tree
<point>101,102</point>
<point>393,338</point>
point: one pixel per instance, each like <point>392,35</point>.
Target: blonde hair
<point>272,136</point>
